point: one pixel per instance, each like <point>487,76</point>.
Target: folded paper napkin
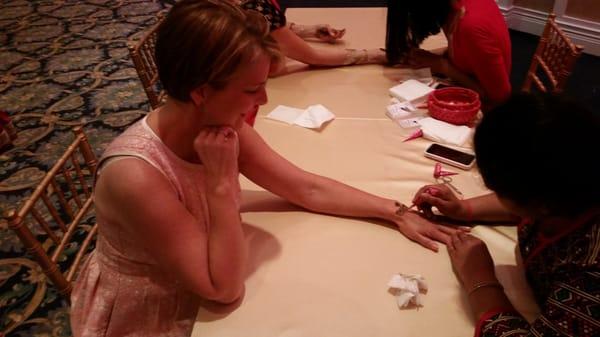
<point>408,289</point>
<point>443,132</point>
<point>412,91</point>
<point>403,114</point>
<point>400,110</point>
<point>312,117</point>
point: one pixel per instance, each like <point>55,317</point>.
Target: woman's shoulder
<point>128,173</point>
<point>135,159</point>
<point>137,136</point>
<point>573,252</point>
<point>483,22</point>
<point>139,141</point>
<point>588,239</point>
<point>578,251</point>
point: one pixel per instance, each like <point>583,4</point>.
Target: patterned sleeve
<point>269,10</point>
<point>571,309</point>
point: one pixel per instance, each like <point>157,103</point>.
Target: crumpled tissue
<point>408,289</point>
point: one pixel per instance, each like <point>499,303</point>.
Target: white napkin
<point>400,110</point>
<point>412,91</point>
<point>312,117</point>
<point>442,132</point>
<point>403,114</point>
<point>408,289</point>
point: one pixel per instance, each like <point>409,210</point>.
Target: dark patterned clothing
<point>269,9</point>
<point>564,273</point>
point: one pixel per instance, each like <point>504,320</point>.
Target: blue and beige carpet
<point>62,63</point>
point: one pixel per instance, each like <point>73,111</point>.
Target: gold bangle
<point>480,285</point>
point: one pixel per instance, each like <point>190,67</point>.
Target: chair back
<point>553,60</point>
<point>142,55</point>
<point>59,213</point>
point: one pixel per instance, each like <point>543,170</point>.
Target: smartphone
<point>450,156</point>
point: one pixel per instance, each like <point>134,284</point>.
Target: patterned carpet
<point>62,63</point>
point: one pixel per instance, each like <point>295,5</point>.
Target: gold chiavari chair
<point>54,222</point>
<point>553,60</point>
<point>142,55</point>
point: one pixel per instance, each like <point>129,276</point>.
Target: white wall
<point>582,32</point>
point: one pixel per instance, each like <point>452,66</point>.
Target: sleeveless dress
<point>121,291</point>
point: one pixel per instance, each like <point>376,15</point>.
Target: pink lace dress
<point>120,290</point>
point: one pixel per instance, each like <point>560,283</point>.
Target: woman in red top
<point>479,49</point>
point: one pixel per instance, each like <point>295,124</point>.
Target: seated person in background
<point>479,49</point>
<point>290,39</point>
<point>272,12</point>
<point>167,194</point>
<point>537,154</point>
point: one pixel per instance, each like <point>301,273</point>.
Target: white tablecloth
<point>318,275</point>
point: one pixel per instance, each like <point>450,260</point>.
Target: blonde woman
<point>167,194</point>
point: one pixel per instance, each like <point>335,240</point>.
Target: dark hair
<point>541,152</point>
<point>409,22</point>
<point>204,42</point>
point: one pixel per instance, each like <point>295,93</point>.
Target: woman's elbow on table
<point>222,294</point>
<point>217,284</point>
<point>229,296</point>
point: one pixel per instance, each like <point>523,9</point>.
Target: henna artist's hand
<point>442,198</point>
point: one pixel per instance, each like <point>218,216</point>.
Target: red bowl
<point>454,105</point>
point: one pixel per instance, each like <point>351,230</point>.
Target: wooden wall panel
<point>540,5</point>
<point>584,9</point>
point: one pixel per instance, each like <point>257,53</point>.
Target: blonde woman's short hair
<point>205,42</point>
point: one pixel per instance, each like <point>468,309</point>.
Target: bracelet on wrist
<point>485,284</point>
<point>356,56</point>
